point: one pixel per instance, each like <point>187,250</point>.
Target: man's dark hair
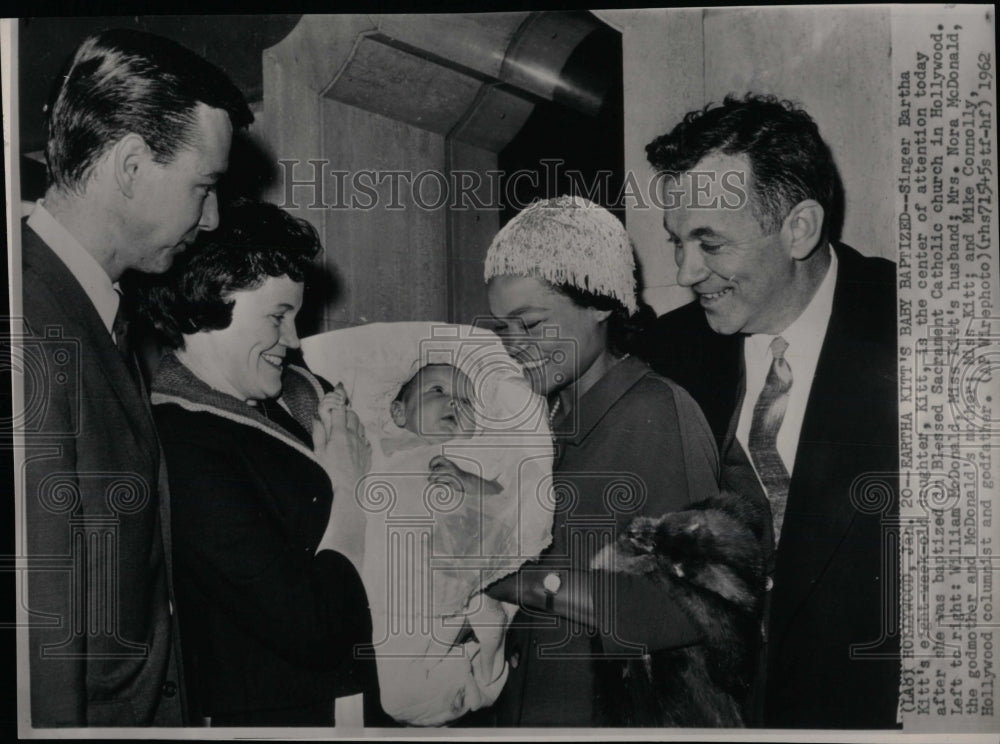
<point>121,82</point>
<point>789,160</point>
<point>255,240</point>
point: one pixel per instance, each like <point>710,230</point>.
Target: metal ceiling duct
<point>474,77</point>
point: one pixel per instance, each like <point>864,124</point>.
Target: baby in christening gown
<point>451,505</point>
<point>431,409</point>
<point>435,406</point>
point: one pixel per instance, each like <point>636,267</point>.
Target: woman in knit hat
<point>618,617</point>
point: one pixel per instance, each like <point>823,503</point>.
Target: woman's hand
<point>525,588</point>
<point>341,447</point>
<point>339,441</point>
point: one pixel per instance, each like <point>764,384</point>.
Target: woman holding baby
<point>252,446</point>
<point>269,531</point>
<point>620,622</point>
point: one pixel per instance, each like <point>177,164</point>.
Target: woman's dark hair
<point>625,332</point>
<point>255,240</point>
<point>123,81</point>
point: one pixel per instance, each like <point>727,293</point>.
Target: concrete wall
<point>835,61</point>
<point>413,263</point>
<point>360,94</point>
<point>392,261</point>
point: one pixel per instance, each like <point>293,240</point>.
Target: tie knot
<point>778,347</point>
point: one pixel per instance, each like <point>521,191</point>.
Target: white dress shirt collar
<point>83,266</point>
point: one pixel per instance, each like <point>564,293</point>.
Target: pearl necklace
<point>556,407</point>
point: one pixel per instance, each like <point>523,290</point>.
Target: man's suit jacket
<point>102,638</point>
<point>835,591</point>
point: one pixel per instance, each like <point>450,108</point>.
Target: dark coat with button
<point>269,624</point>
<point>96,518</point>
<point>832,657</point>
<point>635,445</point>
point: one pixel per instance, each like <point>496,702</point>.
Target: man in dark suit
<point>139,133</point>
<point>790,349</point>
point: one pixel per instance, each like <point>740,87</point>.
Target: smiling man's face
<point>744,277</point>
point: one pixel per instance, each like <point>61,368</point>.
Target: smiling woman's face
<point>245,359</point>
<point>554,339</point>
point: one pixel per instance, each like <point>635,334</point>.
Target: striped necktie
<point>768,414</point>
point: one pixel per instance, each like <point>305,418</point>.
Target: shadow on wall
<point>252,169</point>
<point>324,288</point>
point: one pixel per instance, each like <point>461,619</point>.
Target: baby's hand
<point>446,472</point>
<point>335,400</point>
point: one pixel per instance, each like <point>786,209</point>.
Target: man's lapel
<point>83,320</point>
<point>130,390</point>
<point>741,391</point>
<point>815,517</point>
<point>820,510</point>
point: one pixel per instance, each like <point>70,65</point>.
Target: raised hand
<point>334,401</point>
<point>339,441</point>
<point>341,447</point>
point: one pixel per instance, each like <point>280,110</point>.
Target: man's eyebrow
<point>696,234</point>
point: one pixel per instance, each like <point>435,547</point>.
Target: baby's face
<point>438,405</point>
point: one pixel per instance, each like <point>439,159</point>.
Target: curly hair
<point>789,161</point>
<point>255,240</point>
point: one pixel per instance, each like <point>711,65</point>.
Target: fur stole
<point>710,558</point>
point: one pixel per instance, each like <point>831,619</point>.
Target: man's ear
<point>129,156</point>
<point>802,229</point>
<point>398,412</point>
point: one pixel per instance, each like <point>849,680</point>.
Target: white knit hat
<point>567,240</point>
